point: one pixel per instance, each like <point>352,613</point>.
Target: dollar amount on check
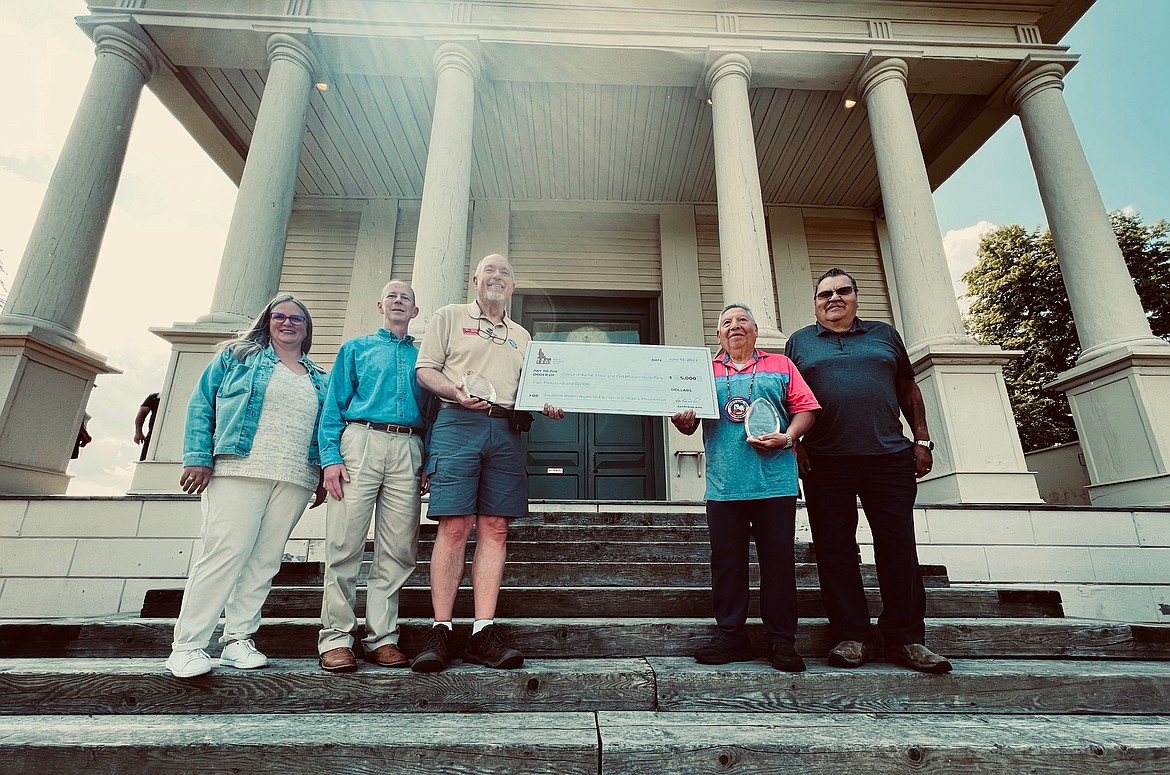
<point>654,380</point>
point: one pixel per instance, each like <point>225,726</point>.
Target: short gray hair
<point>738,305</point>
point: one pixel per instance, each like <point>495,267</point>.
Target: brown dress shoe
<point>850,653</point>
<point>338,660</point>
<point>918,657</point>
<point>388,655</point>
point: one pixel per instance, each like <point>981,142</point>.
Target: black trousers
<point>886,486</point>
<point>731,525</point>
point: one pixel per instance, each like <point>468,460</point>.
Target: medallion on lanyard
<point>736,408</point>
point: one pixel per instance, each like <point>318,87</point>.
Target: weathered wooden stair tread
<point>585,638</point>
<point>606,573</point>
<point>587,548</point>
<point>634,743</point>
<point>586,531</point>
<point>609,743</point>
<point>628,602</point>
<point>553,743</point>
<point>140,686</point>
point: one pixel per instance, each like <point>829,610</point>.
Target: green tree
<point>1019,303</point>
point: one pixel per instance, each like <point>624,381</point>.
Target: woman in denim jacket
<point>250,449</point>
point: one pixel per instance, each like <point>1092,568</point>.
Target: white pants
<point>383,471</point>
<point>246,523</point>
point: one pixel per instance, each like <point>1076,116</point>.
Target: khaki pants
<point>383,470</point>
<point>246,523</point>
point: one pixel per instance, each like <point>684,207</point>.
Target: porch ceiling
<point>367,137</point>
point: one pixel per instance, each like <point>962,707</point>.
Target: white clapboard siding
<point>318,266</point>
<point>852,245</point>
<point>586,251</point>
<point>710,274</point>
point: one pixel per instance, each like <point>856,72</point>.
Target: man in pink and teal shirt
<point>751,492</point>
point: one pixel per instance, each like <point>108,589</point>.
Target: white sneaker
<point>242,654</point>
<point>188,664</point>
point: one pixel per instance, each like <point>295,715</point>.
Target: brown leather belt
<point>387,427</point>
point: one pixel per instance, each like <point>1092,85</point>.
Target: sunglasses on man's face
<point>844,292</point>
<point>296,320</point>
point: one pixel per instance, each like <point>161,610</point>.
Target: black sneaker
<point>433,657</point>
<point>785,658</point>
<point>720,651</point>
<point>487,648</point>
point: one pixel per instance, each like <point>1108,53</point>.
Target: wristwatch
<point>925,443</point>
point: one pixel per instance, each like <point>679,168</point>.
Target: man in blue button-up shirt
<point>371,455</point>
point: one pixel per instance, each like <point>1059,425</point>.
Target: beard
<point>494,296</point>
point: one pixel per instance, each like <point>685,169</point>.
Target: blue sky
<point>1117,95</point>
<point>166,232</point>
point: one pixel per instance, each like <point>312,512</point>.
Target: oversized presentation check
<point>655,380</point>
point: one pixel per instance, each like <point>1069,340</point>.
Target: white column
<point>743,236</point>
<point>46,373</point>
<point>929,312</point>
<point>1104,303</point>
<point>978,457</point>
<point>254,251</point>
<point>252,257</point>
<point>52,283</point>
<point>441,248</point>
<point>1118,389</point>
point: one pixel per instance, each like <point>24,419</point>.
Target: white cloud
<point>962,250</point>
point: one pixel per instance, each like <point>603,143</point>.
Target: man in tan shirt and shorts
<point>475,461</point>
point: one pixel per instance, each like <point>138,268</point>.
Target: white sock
<point>480,624</point>
<point>448,625</point>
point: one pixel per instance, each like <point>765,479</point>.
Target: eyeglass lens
<point>842,292</point>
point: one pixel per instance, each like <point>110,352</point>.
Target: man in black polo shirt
<point>861,374</point>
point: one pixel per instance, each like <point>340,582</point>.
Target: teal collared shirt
<point>372,380</point>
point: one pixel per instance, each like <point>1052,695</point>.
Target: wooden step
<point>606,743</point>
<point>634,602</point>
<point>636,743</point>
<point>1012,686</point>
<point>142,686</point>
<point>609,574</point>
<point>521,531</point>
<point>592,638</point>
<point>609,551</point>
<point>384,743</point>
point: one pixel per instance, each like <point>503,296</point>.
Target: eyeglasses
<point>280,317</point>
<point>490,333</point>
<point>844,292</point>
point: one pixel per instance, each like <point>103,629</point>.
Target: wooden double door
<point>594,456</point>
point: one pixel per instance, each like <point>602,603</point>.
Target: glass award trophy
<point>478,386</point>
<point>761,418</point>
